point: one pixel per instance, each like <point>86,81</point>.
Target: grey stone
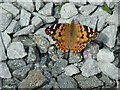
<point>90,68</point>
<point>87,10</point>
<point>75,57</point>
<point>78,2</point>
<point>6,39</point>
<point>5,19</point>
<point>16,50</point>
<point>37,22</point>
<point>71,70</point>
<point>108,36</point>
<point>4,70</point>
<point>38,4</point>
<point>24,18</point>
<point>0,83</point>
<point>27,30</point>
<point>47,9</point>
<point>26,4</point>
<point>85,82</point>
<point>110,70</point>
<point>68,10</point>
<point>10,8</point>
<point>44,60</point>
<point>64,20</point>
<point>2,50</point>
<point>16,64</point>
<point>66,82</point>
<point>33,80</point>
<point>59,66</point>
<point>99,3</point>
<point>22,71</point>
<point>105,55</point>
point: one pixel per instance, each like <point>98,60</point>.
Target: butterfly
<point>70,36</point>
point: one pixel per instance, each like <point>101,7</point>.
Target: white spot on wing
<point>54,26</point>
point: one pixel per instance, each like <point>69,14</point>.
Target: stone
<point>71,70</point>
<point>78,2</point>
<point>24,18</point>
<point>6,39</point>
<point>2,50</point>
<point>100,3</point>
<point>38,4</point>
<point>4,70</point>
<point>108,36</point>
<point>0,83</point>
<point>87,10</point>
<point>68,10</point>
<point>105,55</point>
<point>85,82</point>
<point>33,80</point>
<point>27,30</point>
<point>26,4</point>
<point>44,60</point>
<point>21,72</point>
<point>16,50</point>
<point>10,8</point>
<point>66,82</point>
<point>47,9</point>
<point>37,22</point>
<point>16,64</point>
<point>59,67</point>
<point>90,68</point>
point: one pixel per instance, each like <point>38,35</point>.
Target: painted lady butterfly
<point>73,37</point>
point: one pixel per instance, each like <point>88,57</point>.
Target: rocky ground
<point>30,59</point>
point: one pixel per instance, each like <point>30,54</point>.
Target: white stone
<point>38,4</point>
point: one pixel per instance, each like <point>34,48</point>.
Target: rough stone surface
<point>38,4</point>
<point>24,18</point>
<point>90,82</point>
<point>90,68</point>
<point>105,55</point>
<point>0,83</point>
<point>68,10</point>
<point>99,3</point>
<point>16,50</point>
<point>33,80</point>
<point>4,71</point>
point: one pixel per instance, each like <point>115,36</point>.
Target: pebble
<point>91,82</point>
<point>68,10</point>
<point>47,9</point>
<point>24,18</point>
<point>33,80</point>
<point>38,4</point>
<point>71,70</point>
<point>105,55</point>
<point>16,50</point>
<point>66,82</point>
<point>4,71</point>
<point>27,30</point>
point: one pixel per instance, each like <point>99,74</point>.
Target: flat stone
<point>6,39</point>
<point>16,50</point>
<point>90,68</point>
<point>37,22</point>
<point>38,4</point>
<point>105,55</point>
<point>26,4</point>
<point>2,50</point>
<point>71,70</point>
<point>24,18</point>
<point>66,82</point>
<point>16,64</point>
<point>47,9</point>
<point>108,36</point>
<point>4,71</point>
<point>78,2</point>
<point>27,30</point>
<point>85,82</point>
<point>10,7</point>
<point>33,80</point>
<point>68,10</point>
<point>87,10</point>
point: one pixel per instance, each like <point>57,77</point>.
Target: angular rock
<point>90,68</point>
<point>47,9</point>
<point>44,60</point>
<point>27,30</point>
<point>16,50</point>
<point>24,18</point>
<point>71,70</point>
<point>90,82</point>
<point>68,10</point>
<point>4,71</point>
<point>38,4</point>
<point>33,80</point>
<point>105,55</point>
